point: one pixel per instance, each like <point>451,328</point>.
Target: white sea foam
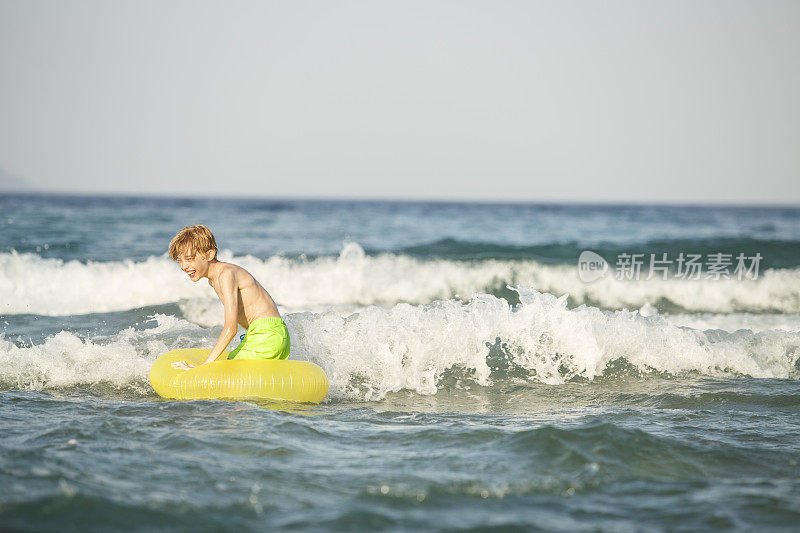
<point>66,359</point>
<point>31,284</point>
<point>377,350</point>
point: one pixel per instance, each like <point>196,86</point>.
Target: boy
<point>245,301</point>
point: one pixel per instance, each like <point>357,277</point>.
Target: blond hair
<point>192,239</point>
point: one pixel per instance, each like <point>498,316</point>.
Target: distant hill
<point>11,183</point>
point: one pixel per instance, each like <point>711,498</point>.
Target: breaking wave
<point>30,284</point>
<point>375,351</point>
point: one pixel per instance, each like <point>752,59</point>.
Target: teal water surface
<point>477,384</point>
<point>618,454</point>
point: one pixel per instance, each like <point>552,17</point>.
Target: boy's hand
<point>182,365</point>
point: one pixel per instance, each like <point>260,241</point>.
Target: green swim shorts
<point>266,338</point>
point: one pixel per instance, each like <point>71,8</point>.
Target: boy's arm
<point>227,282</point>
<point>230,301</point>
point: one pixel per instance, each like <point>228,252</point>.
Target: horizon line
<point>385,199</point>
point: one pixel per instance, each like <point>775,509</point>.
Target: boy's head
<point>194,248</point>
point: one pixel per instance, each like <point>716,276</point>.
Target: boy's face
<point>195,264</point>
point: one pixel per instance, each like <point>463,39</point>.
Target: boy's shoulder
<point>233,268</point>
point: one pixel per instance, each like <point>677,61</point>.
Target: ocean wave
<point>30,284</point>
<point>122,360</point>
<point>376,351</point>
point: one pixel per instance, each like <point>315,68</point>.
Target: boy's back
<point>253,301</point>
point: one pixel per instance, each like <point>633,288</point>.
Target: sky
<point>620,101</point>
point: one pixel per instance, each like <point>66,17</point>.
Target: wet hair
<point>192,239</point>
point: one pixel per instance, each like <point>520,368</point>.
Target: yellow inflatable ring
<point>294,381</point>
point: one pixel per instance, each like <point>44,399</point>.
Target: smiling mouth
<point>191,273</point>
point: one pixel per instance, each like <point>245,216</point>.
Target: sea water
<point>476,381</point>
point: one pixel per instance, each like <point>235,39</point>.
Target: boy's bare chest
<point>219,291</point>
